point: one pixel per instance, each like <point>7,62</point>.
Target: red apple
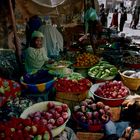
<point>52,111</point>
<point>64,107</point>
<point>50,126</point>
<point>50,105</point>
<point>89,115</point>
<point>93,106</point>
<point>96,114</point>
<point>36,119</point>
<point>102,111</point>
<point>37,114</point>
<point>59,121</point>
<point>56,115</point>
<point>84,103</point>
<point>65,115</point>
<point>48,116</point>
<point>100,105</point>
<point>43,121</point>
<point>106,108</point>
<point>79,114</point>
<point>58,109</point>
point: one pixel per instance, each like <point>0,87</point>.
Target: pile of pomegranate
<point>54,116</point>
<point>91,113</point>
<point>112,90</point>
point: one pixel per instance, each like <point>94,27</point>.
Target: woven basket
<point>71,98</point>
<point>131,83</point>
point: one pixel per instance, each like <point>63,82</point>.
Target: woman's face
<point>38,42</point>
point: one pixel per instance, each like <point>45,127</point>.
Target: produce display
<point>54,116</point>
<point>59,64</point>
<point>112,90</point>
<point>9,89</point>
<point>64,73</point>
<point>73,83</point>
<point>42,76</point>
<point>23,129</point>
<point>131,79</point>
<point>132,74</point>
<point>103,70</point>
<point>135,59</point>
<point>91,113</point>
<point>14,107</point>
<point>86,60</point>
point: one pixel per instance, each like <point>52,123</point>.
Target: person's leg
<point>92,41</point>
<point>121,24</point>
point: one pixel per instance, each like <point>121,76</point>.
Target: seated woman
<point>35,55</point>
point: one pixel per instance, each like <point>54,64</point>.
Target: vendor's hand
<point>130,134</point>
<point>135,135</point>
<point>83,37</point>
<point>50,61</point>
<point>130,102</point>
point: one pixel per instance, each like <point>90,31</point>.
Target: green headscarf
<point>37,34</point>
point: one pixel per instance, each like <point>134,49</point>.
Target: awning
<point>51,7</point>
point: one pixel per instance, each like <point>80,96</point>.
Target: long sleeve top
<point>35,59</point>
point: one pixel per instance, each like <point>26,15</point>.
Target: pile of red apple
<point>91,113</point>
<point>53,117</point>
<point>68,85</point>
<point>112,89</point>
<point>23,129</point>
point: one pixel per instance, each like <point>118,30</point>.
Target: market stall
<point>79,95</point>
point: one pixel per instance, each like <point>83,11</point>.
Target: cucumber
<point>107,70</point>
<point>105,75</point>
<point>99,74</point>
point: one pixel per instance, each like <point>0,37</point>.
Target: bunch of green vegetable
<point>75,76</point>
<point>103,70</point>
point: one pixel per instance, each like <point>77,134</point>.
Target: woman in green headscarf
<point>35,55</point>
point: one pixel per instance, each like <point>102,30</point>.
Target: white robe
<point>52,41</point>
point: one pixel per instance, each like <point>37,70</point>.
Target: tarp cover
<point>43,7</point>
<point>49,3</point>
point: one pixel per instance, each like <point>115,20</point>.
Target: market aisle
<point>128,31</point>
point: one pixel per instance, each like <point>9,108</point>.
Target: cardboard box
<point>115,111</point>
<point>89,136</point>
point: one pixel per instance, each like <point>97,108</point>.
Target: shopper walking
<point>123,17</point>
<point>114,22</point>
<point>136,17</point>
<point>103,15</point>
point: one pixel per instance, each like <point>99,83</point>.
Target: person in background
<point>91,21</point>
<point>114,21</point>
<point>35,55</point>
<point>136,17</point>
<point>133,16</point>
<point>123,17</point>
<point>103,15</point>
<point>52,41</point>
<point>32,25</point>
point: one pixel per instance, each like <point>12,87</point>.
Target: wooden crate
<point>89,136</point>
